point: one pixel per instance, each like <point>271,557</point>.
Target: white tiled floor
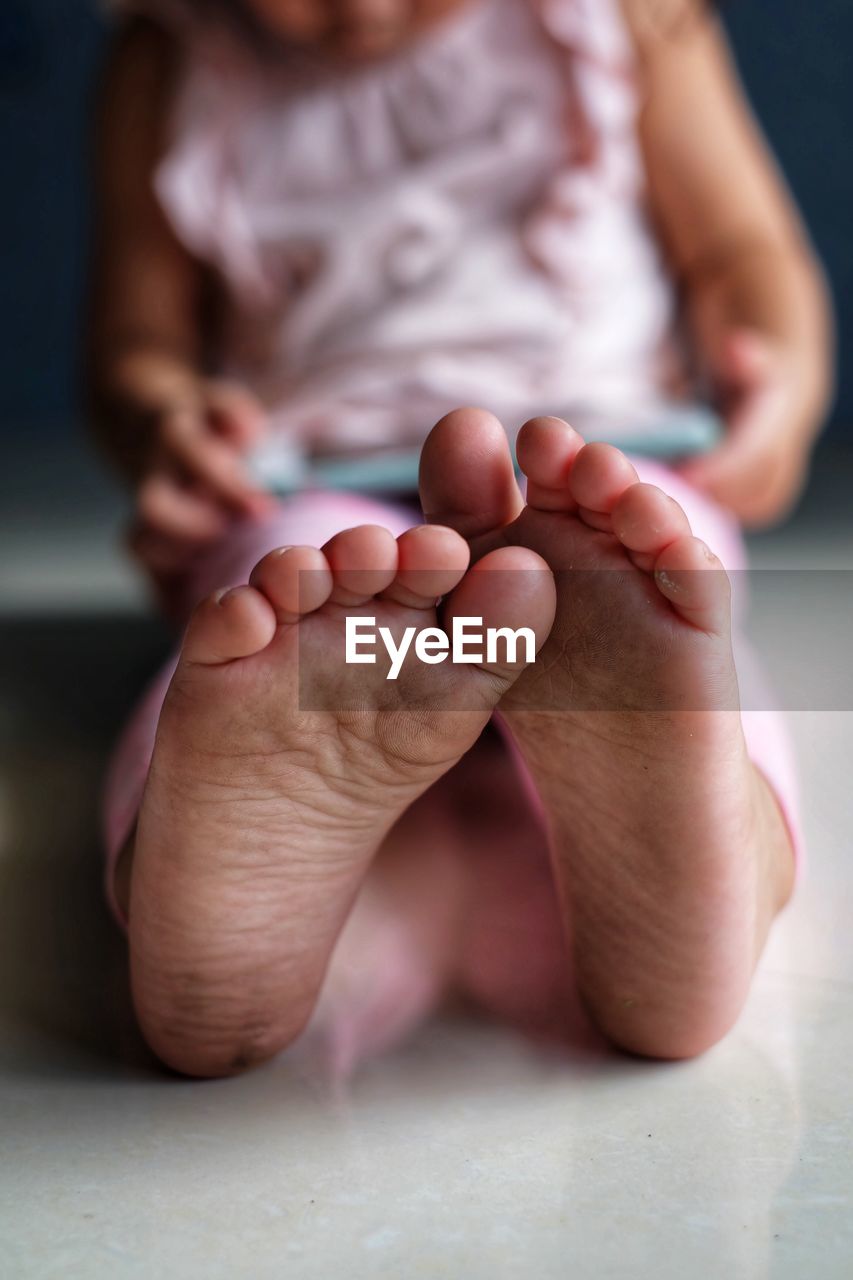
<point>469,1152</point>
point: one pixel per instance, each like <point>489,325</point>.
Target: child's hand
<point>761,466</point>
<point>191,474</point>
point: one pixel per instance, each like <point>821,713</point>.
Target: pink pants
<point>311,519</point>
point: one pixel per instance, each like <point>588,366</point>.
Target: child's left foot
<point>670,849</point>
<point>280,769</point>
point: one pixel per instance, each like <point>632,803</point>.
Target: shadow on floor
<point>65,687</point>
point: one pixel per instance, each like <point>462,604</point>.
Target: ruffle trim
<point>604,171</point>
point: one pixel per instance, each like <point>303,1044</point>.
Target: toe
<point>599,477</point>
<point>467,480</point>
<point>363,562</point>
<point>295,580</point>
<point>696,584</point>
<point>547,448</point>
<point>645,520</point>
<point>431,560</point>
<point>228,625</point>
<point>510,588</point>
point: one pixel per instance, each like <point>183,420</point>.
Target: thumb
<point>744,359</point>
<point>747,376</point>
<point>235,413</point>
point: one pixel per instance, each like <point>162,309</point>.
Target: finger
<point>755,425</point>
<point>235,413</point>
<point>731,465</point>
<point>760,497</point>
<point>750,476</point>
<point>213,462</point>
<point>158,552</point>
<point>756,412</point>
<point>749,359</point>
<point>370,26</point>
<point>373,12</point>
<point>163,505</point>
<point>302,21</point>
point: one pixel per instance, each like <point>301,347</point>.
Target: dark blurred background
<point>795,57</point>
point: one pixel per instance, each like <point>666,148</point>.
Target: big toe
<point>512,591</point>
<point>467,479</point>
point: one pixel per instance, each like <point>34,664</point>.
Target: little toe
<point>431,560</point>
<point>599,476</point>
<point>697,586</point>
<point>295,580</point>
<point>230,624</point>
<point>547,448</point>
<point>645,520</point>
<point>363,562</point>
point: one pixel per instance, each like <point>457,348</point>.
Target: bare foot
<point>260,816</point>
<point>671,853</point>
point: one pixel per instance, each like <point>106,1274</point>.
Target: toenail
<point>707,552</point>
<point>225,594</point>
<point>279,551</point>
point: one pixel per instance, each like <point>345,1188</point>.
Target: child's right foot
<point>260,818</point>
<point>670,848</point>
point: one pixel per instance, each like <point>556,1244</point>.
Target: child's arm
<point>755,294</point>
<point>177,435</point>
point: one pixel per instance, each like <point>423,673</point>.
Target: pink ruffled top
<point>462,222</point>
